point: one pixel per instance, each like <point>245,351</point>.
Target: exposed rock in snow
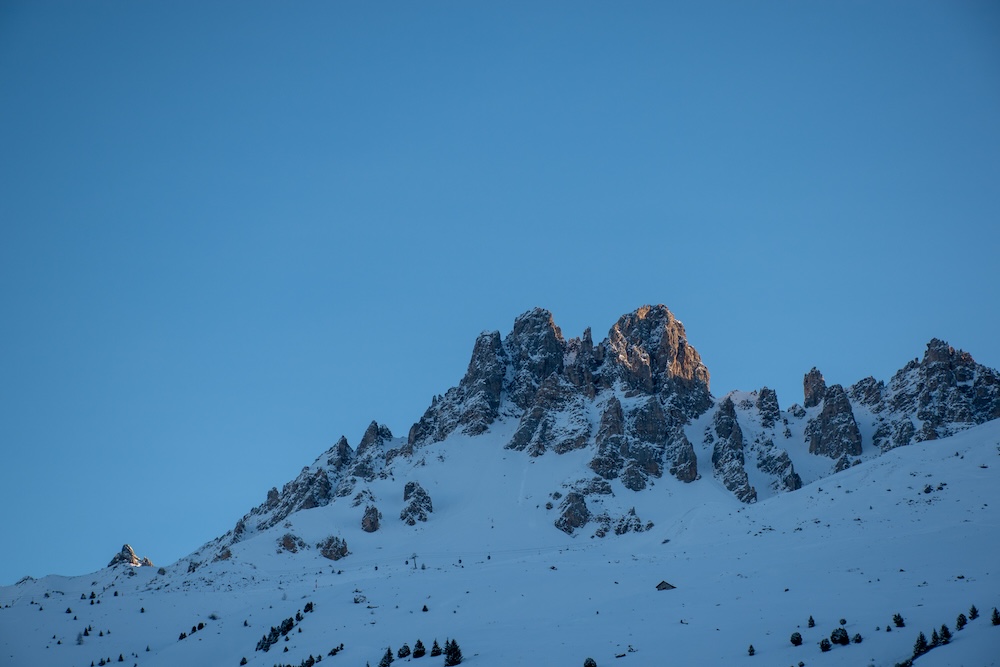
<point>574,513</point>
<point>127,557</point>
<point>813,388</point>
<point>418,504</point>
<point>834,432</point>
<point>727,452</point>
<point>942,394</point>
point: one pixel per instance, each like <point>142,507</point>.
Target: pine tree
<point>589,662</point>
<point>418,649</point>
<point>243,662</point>
<point>404,651</point>
<point>839,636</point>
<point>750,650</point>
<point>452,655</point>
<point>812,623</point>
<point>920,647</point>
<point>435,649</point>
<point>960,622</point>
<point>973,613</point>
<point>935,640</point>
<point>945,634</point>
<point>387,658</point>
<point>824,645</point>
<point>796,639</point>
<point>857,638</point>
<point>898,620</point>
<point>995,619</point>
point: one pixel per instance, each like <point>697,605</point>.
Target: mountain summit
<point>573,502</point>
<point>637,406</point>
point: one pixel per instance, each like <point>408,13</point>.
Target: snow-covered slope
<point>914,532</point>
<point>532,511</point>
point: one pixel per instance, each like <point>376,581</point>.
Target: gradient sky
<point>232,232</point>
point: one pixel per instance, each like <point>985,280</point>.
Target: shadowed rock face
<point>813,388</point>
<point>727,454</point>
<point>834,432</point>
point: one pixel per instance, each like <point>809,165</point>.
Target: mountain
<point>534,507</point>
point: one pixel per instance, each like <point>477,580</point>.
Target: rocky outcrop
<point>418,504</point>
<point>333,548</point>
<point>291,543</point>
<point>127,557</point>
<point>649,353</point>
<point>371,518</point>
<point>727,452</point>
<point>834,432</point>
<point>557,420</point>
<point>937,396</point>
<point>813,388</point>
<point>573,513</point>
<point>767,406</point>
<point>777,463</point>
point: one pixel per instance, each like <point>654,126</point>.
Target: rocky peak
<point>813,388</point>
<point>649,346</point>
<point>834,432</point>
<point>943,393</point>
<point>483,383</point>
<point>376,435</point>
<point>535,348</point>
<point>127,557</point>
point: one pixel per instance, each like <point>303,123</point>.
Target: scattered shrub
<point>839,636</point>
<point>750,651</point>
<point>589,662</point>
<point>796,639</point>
<point>857,638</point>
<point>825,645</point>
<point>811,623</point>
<point>898,620</point>
<point>404,651</point>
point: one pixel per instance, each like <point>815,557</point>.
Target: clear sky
<point>232,232</point>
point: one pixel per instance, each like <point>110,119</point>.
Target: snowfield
<point>915,531</point>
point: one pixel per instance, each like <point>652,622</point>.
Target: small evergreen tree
<point>857,638</point>
<point>960,622</point>
<point>995,619</point>
<point>243,662</point>
<point>796,639</point>
<point>898,620</point>
<point>404,651</point>
<point>453,655</point>
<point>811,623</point>
<point>435,649</point>
<point>589,662</point>
<point>920,647</point>
<point>418,649</point>
<point>825,645</point>
<point>973,613</point>
<point>945,634</point>
<point>750,650</point>
<point>839,636</point>
<point>935,640</point>
<point>387,658</point>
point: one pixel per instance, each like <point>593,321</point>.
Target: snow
<point>511,589</point>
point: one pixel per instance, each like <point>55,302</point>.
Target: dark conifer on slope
<point>995,619</point>
<point>452,654</point>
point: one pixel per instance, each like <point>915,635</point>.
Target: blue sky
<point>231,233</point>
